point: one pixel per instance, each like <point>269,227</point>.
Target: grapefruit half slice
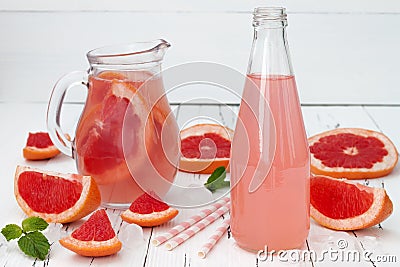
<point>205,147</point>
<point>94,238</point>
<point>352,153</point>
<point>55,197</point>
<point>342,205</point>
<point>39,146</point>
<point>148,211</point>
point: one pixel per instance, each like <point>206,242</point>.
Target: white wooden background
<point>343,52</point>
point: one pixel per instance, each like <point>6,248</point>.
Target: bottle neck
<point>270,50</point>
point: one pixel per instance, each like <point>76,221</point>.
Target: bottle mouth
<point>271,17</point>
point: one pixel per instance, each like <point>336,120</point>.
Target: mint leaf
<point>34,244</point>
<point>11,231</point>
<point>34,224</point>
<point>217,180</point>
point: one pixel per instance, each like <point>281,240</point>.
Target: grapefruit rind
<point>92,248</point>
<point>89,200</point>
<point>381,208</point>
<point>379,169</point>
<point>150,219</point>
<point>204,166</point>
<point>34,153</point>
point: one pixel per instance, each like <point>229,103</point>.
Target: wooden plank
<point>343,76</point>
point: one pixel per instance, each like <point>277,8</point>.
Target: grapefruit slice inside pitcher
<point>205,147</point>
<point>54,196</point>
<point>39,146</point>
<point>99,135</point>
<point>342,205</point>
<point>94,238</point>
<point>352,153</point>
<point>148,211</point>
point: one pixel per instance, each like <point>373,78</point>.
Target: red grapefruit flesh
<point>94,238</point>
<point>148,211</point>
<point>39,146</point>
<point>205,147</point>
<point>352,153</point>
<point>54,196</point>
<point>99,143</point>
<point>341,205</point>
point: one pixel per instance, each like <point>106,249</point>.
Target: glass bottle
<point>270,162</point>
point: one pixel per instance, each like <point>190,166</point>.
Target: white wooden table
<point>383,240</point>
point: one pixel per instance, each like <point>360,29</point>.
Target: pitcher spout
<point>160,49</point>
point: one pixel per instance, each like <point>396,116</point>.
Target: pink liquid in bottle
<point>276,214</point>
<point>270,162</point>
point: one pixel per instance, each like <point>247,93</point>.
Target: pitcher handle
<point>57,135</point>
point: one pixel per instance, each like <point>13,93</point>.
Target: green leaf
<point>34,244</point>
<point>34,224</point>
<point>11,231</point>
<point>217,180</point>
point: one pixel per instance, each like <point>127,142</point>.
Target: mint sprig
<point>31,241</point>
<point>217,180</point>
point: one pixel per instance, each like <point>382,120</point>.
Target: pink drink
<point>121,104</point>
<point>276,214</point>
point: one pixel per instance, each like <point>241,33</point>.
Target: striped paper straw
<point>185,235</point>
<point>212,240</point>
<point>186,224</point>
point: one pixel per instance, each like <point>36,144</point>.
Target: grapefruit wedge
<point>39,146</point>
<point>352,153</point>
<point>55,197</point>
<point>205,147</point>
<point>148,211</point>
<point>342,205</point>
<point>94,238</point>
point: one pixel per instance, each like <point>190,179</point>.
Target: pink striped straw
<point>212,240</point>
<point>185,235</point>
<point>186,224</point>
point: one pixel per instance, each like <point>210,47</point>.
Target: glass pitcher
<point>127,137</point>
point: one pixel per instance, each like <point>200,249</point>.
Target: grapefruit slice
<point>55,197</point>
<point>342,205</point>
<point>205,147</point>
<point>100,148</point>
<point>148,211</point>
<point>39,146</point>
<point>352,153</point>
<point>94,238</point>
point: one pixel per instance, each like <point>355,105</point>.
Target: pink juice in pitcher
<point>270,162</point>
<point>117,106</point>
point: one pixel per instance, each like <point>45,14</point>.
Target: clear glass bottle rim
<point>269,13</point>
